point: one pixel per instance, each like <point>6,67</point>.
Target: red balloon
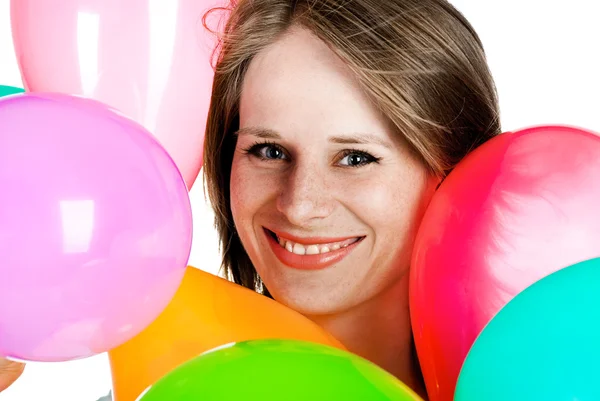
<point>518,208</point>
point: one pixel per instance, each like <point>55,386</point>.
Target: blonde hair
<point>419,61</point>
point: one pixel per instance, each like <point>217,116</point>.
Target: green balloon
<point>544,345</point>
<point>269,370</point>
<point>9,90</point>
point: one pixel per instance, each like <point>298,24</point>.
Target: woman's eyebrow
<point>264,133</point>
<point>360,139</point>
<point>351,139</point>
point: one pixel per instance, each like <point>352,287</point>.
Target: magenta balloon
<point>520,207</point>
<point>149,59</point>
<point>95,228</point>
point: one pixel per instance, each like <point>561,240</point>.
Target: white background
<point>545,57</point>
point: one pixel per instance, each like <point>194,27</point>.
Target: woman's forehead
<point>299,81</point>
<point>297,62</point>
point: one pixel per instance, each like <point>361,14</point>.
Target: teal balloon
<point>544,345</point>
<point>274,370</point>
<point>9,90</point>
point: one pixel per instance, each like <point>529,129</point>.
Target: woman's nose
<point>305,196</point>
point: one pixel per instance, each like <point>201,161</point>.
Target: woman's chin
<point>312,304</point>
<point>312,292</point>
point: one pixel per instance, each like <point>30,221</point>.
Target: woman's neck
<point>379,330</point>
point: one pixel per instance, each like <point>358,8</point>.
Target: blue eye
<point>271,152</point>
<point>355,158</point>
<point>266,151</point>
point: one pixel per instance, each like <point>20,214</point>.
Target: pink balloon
<point>149,59</point>
<point>95,228</point>
<point>520,207</point>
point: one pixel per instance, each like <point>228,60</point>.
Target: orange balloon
<point>206,312</point>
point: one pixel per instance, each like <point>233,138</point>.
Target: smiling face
<point>326,197</point>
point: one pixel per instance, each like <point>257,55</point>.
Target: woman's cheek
<point>240,191</point>
<point>251,188</point>
<point>375,198</point>
<point>389,203</point>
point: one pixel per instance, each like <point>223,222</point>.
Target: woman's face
<point>326,197</point>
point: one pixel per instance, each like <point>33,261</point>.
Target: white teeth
<point>312,250</point>
<point>299,249</point>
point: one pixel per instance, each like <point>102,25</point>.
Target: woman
<point>332,123</point>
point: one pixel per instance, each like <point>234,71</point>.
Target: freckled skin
<point>299,89</point>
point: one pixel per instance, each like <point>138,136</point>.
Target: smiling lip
<point>309,262</point>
